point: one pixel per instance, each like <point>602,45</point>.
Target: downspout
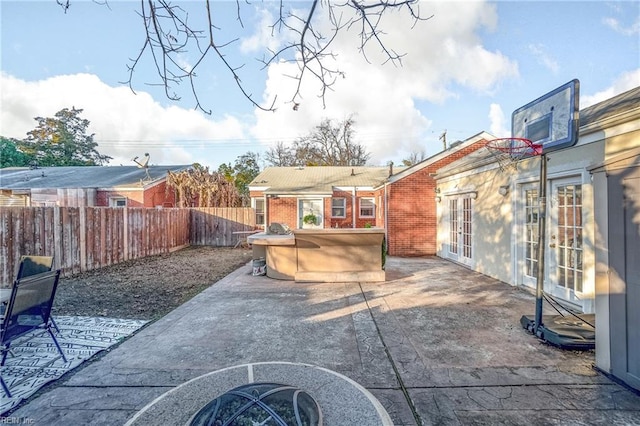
<point>386,207</point>
<point>353,207</point>
<point>386,216</point>
<point>266,211</point>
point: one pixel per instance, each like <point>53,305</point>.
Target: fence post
<point>83,238</point>
<point>125,232</point>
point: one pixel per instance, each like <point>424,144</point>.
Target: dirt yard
<point>147,288</point>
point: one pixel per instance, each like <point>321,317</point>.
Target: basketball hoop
<point>508,151</point>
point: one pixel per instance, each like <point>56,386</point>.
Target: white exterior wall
<point>621,139</point>
<point>497,227</point>
<point>492,217</point>
<point>601,278</point>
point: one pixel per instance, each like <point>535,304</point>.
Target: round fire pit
<point>242,390</point>
<point>268,404</point>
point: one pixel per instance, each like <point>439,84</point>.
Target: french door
<point>310,208</point>
<point>528,237</point>
<point>461,229</point>
<point>565,240</point>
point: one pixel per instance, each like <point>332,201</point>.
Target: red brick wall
<point>155,196</point>
<point>283,210</point>
<point>158,195</point>
<point>411,217</point>
<point>134,198</point>
<point>412,226</point>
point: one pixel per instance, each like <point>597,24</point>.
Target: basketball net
<point>509,151</point>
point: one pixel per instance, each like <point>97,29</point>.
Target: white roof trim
<point>442,154</point>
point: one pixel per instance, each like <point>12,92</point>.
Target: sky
<point>464,71</point>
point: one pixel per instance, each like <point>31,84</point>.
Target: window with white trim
<point>531,209</point>
<point>367,207</point>
<point>338,207</point>
<point>259,207</point>
<point>117,202</point>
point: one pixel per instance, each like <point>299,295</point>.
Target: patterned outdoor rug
<point>36,361</point>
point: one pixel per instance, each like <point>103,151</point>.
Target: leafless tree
<point>414,157</point>
<point>331,143</point>
<point>307,31</point>
<point>281,155</point>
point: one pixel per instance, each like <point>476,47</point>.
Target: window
<point>569,236</point>
<point>453,226</point>
<point>117,202</point>
<point>466,227</point>
<point>531,233</point>
<point>338,207</point>
<point>367,207</point>
<point>259,206</point>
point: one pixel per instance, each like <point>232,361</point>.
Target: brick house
<point>98,186</point>
<point>338,197</point>
<point>410,195</point>
<point>402,200</point>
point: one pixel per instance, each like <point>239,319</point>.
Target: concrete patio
<point>435,344</point>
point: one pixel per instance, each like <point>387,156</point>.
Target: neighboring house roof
<point>317,179</point>
<point>104,177</point>
<point>323,179</point>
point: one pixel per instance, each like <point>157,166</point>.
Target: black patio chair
<point>29,309</point>
<point>32,265</point>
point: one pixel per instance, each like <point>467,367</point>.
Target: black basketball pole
<point>542,212</point>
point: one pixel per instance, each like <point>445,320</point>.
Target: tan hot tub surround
<point>322,255</point>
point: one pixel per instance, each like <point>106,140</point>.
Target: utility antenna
<point>144,164</point>
<point>443,138</point>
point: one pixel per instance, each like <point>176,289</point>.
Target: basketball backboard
<point>551,120</point>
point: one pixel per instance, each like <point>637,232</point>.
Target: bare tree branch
<point>329,144</point>
<point>170,36</point>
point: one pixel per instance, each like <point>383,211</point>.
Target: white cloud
<point>125,124</point>
<point>626,81</point>
<point>539,51</point>
<point>615,25</point>
<point>444,56</point>
<point>498,121</point>
<point>265,37</point>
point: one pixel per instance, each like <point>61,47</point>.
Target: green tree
<point>414,157</point>
<point>244,170</point>
<point>63,141</point>
<point>11,155</point>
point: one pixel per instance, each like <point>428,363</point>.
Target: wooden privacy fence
<point>215,226</point>
<point>85,238</point>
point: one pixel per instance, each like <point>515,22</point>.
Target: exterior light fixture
<point>503,190</point>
